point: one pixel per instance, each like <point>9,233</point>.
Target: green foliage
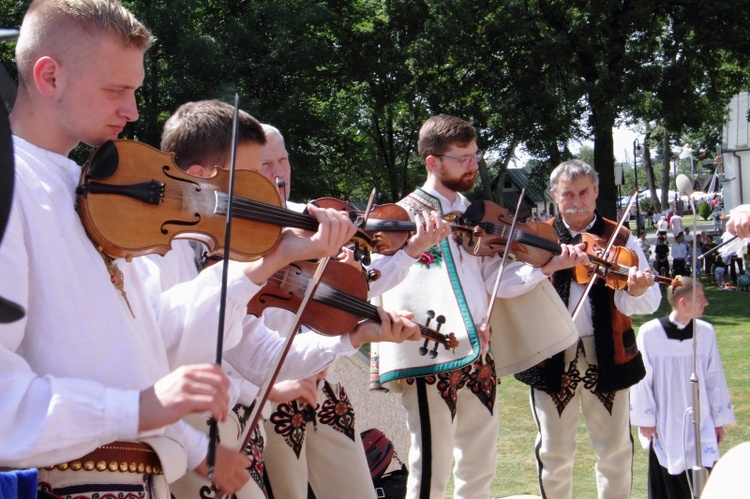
<point>704,210</point>
<point>349,82</point>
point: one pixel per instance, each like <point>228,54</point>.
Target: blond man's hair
<point>62,29</point>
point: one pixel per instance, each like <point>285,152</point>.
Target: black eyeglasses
<point>478,156</point>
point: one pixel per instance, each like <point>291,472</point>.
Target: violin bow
<point>607,249</point>
<point>501,269</point>
<point>213,434</point>
<point>265,390</point>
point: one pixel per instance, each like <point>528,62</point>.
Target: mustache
<point>574,211</point>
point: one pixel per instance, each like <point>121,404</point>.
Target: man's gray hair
<point>572,169</point>
<point>272,130</point>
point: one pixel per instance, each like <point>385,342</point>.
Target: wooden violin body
<point>134,200</point>
<point>387,226</point>
<point>338,304</point>
<point>484,229</point>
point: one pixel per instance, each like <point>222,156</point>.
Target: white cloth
<point>71,370</point>
<point>676,223</point>
<point>662,397</point>
<point>252,356</point>
<point>408,285</point>
<point>679,251</point>
<point>608,431</point>
<point>629,305</point>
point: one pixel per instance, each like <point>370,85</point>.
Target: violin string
<point>327,294</point>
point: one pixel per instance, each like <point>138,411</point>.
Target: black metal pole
<point>636,146</point>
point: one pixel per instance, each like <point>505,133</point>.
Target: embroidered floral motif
<point>432,255</point>
<point>570,381</point>
<point>590,381</point>
<point>92,491</point>
<point>289,421</point>
<point>254,451</point>
<point>483,382</point>
<point>449,383</point>
<point>429,380</point>
<point>338,414</point>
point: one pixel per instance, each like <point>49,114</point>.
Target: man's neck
<point>683,316</point>
<point>448,194</point>
<point>41,134</point>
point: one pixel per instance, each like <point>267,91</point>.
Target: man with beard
<point>449,398</point>
<point>596,372</point>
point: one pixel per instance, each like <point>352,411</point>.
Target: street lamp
<point>636,148</point>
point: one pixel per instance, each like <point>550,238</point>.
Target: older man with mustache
<point>595,373</point>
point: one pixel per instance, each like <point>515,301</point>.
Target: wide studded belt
<point>123,457</point>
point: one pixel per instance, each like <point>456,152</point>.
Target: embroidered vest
<point>432,284</point>
<point>619,362</point>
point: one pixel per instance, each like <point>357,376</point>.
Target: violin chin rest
<point>104,162</point>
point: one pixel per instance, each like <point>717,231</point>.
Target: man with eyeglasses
<point>449,397</point>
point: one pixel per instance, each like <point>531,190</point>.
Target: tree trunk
<point>604,163</point>
<point>667,155</point>
<point>649,167</point>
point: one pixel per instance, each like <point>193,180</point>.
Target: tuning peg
<point>430,314</point>
<point>434,352</point>
<point>440,320</point>
<point>423,348</point>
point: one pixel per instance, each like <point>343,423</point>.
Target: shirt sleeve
<point>648,302</point>
<point>642,401</point>
<point>255,357</point>
<point>716,389</point>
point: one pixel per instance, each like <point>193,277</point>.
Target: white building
<point>735,147</point>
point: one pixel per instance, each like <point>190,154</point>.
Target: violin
<point>484,229</point>
<point>387,226</point>
<point>338,304</point>
<point>133,200</point>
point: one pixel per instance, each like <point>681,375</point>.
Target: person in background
<point>661,256</point>
<point>661,227</point>
<point>594,374</point>
<point>679,254</point>
<point>676,224</point>
<point>659,401</point>
<point>644,244</point>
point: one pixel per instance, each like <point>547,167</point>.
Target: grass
<point>516,470</point>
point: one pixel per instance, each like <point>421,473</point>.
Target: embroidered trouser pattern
<point>232,433</point>
<point>451,415</point>
<point>320,446</point>
<point>607,420</point>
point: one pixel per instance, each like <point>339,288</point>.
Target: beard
<point>457,184</point>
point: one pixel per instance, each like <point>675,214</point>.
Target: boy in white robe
<point>659,402</point>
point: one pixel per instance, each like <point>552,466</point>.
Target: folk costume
<point>662,397</point>
<point>72,369</point>
<point>450,399</point>
<point>594,374</point>
<point>247,365</point>
<point>319,446</point>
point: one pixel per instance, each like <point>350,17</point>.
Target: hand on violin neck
<point>334,230</point>
<point>395,327</point>
<point>431,229</point>
<point>639,282</point>
<point>571,255</point>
